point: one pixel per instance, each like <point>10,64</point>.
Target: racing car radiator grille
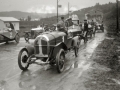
<point>41,47</point>
<point>44,46</point>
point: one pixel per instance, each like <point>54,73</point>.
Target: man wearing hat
<point>85,28</point>
<point>61,25</point>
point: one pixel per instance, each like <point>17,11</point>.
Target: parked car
<point>8,33</point>
<point>50,47</point>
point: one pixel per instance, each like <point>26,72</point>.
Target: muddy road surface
<point>46,77</point>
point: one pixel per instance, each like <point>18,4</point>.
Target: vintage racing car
<point>33,33</point>
<point>8,33</point>
<point>50,47</point>
<point>99,27</point>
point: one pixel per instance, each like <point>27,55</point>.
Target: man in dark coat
<point>86,28</point>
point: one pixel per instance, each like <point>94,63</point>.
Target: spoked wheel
<point>76,48</point>
<point>17,38</point>
<point>91,32</point>
<point>23,59</point>
<point>60,59</point>
<point>26,37</point>
<point>94,31</point>
<point>85,39</point>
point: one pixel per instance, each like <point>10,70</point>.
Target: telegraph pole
<point>117,17</point>
<point>57,11</point>
<point>68,9</point>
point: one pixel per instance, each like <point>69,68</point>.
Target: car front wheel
<point>17,38</point>
<point>60,59</point>
<point>76,48</point>
<point>23,59</point>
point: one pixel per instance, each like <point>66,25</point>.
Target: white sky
<point>46,6</point>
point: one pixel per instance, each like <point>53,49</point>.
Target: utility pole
<point>57,11</point>
<point>117,17</point>
<point>68,9</point>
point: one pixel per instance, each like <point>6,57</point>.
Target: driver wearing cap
<point>61,25</point>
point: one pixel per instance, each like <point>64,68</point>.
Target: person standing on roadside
<point>86,29</point>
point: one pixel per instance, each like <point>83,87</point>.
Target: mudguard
<point>58,47</point>
<point>75,41</point>
<point>30,49</point>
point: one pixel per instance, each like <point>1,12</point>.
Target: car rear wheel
<point>23,59</point>
<point>26,37</point>
<point>76,48</point>
<point>103,29</point>
<point>17,38</point>
<point>60,59</point>
<point>91,32</point>
<point>85,39</point>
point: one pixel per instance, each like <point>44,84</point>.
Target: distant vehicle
<point>100,27</point>
<point>50,48</point>
<point>8,33</point>
<point>33,33</point>
<point>97,17</point>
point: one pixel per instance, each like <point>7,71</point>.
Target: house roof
<point>8,19</point>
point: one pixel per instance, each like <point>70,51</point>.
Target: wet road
<point>46,77</point>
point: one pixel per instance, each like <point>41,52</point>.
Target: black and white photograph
<point>59,44</point>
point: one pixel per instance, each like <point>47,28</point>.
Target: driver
<point>61,25</point>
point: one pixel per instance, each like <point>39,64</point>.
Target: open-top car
<point>33,33</point>
<point>50,47</point>
<point>100,27</point>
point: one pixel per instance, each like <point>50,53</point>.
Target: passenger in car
<point>61,25</point>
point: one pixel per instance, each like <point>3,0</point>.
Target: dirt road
<point>46,77</point>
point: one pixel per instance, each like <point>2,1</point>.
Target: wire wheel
<point>60,59</point>
<point>23,59</point>
<point>17,38</point>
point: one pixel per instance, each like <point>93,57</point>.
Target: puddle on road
<point>3,85</point>
<point>78,65</point>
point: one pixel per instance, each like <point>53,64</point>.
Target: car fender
<point>58,47</point>
<point>75,40</point>
<point>30,49</point>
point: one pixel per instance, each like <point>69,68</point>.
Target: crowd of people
<point>63,25</point>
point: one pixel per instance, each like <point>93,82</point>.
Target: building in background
<point>13,20</point>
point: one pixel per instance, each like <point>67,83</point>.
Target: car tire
<point>85,40</point>
<point>91,32</point>
<point>17,38</point>
<point>103,30</point>
<point>60,59</point>
<point>23,59</point>
<point>26,37</point>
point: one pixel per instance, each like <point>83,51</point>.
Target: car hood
<point>52,35</point>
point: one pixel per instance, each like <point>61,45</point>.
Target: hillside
<point>19,14</point>
<point>105,8</point>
